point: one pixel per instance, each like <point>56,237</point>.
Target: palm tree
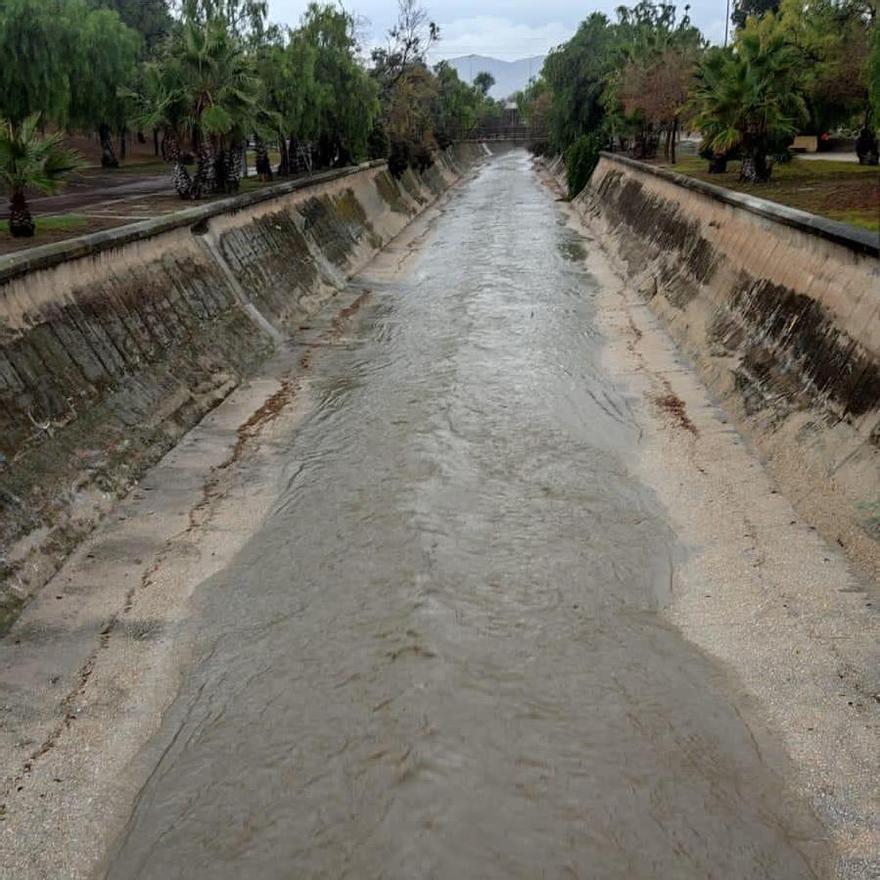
<point>712,106</point>
<point>749,99</point>
<point>221,90</point>
<point>202,93</point>
<point>30,161</point>
<point>160,105</point>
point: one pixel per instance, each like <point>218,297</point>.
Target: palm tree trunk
<point>221,167</point>
<point>108,156</point>
<point>21,222</point>
<point>754,167</point>
<point>866,146</point>
<point>228,167</point>
<point>183,184</point>
<point>264,166</point>
<point>204,178</point>
<point>284,163</point>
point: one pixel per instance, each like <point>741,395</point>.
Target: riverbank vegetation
<point>210,82</point>
<point>634,83</point>
<point>208,79</point>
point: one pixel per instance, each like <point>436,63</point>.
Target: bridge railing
<point>524,133</point>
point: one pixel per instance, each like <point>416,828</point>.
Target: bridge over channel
<point>518,133</point>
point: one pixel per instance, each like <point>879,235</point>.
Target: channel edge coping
<point>862,241</point>
<point>48,256</point>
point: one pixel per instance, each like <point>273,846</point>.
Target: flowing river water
<point>443,653</point>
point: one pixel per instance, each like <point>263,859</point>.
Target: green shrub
<point>580,160</point>
<point>423,158</point>
<point>377,143</point>
<point>400,157</point>
<point>540,148</point>
<point>444,141</point>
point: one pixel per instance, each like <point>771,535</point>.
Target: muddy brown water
<point>443,654</point>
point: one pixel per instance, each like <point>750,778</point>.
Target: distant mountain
<point>510,76</point>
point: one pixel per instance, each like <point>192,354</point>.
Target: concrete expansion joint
<point>211,242</point>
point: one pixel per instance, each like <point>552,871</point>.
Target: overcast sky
<point>507,30</point>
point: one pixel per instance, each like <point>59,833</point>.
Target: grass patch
<point>843,191</point>
<point>51,224</point>
<point>862,219</point>
<point>52,228</point>
<point>249,184</point>
<point>154,166</point>
<point>61,222</point>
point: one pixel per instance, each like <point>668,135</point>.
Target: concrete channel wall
<point>113,345</point>
<point>780,312</point>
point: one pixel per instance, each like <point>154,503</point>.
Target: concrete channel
<point>443,528</point>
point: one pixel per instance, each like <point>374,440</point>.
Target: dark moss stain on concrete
<point>352,213</point>
<point>798,332</point>
<point>330,232</point>
<point>389,193</point>
<point>271,259</point>
<point>101,387</point>
<point>660,226</point>
<point>791,351</point>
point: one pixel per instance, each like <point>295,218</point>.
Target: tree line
<point>632,83</point>
<point>207,78</point>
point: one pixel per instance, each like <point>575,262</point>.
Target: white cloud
<point>498,38</point>
<point>714,31</point>
<point>505,29</point>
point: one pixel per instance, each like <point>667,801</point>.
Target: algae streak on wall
<point>113,345</point>
<point>780,311</point>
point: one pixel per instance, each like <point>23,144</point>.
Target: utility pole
<point>727,24</point>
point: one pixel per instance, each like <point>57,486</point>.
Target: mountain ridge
<point>510,76</point>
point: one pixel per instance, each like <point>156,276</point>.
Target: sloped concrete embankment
<point>112,346</point>
<point>780,312</point>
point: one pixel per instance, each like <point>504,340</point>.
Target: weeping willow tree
<point>343,102</point>
<point>456,105</point>
<point>66,61</point>
<point>105,57</point>
<point>286,69</point>
<point>150,18</point>
<point>39,51</point>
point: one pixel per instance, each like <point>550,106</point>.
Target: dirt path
<point>94,189</point>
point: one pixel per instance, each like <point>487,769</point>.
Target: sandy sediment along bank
<point>780,313</point>
<point>114,345</point>
<point>761,590</point>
